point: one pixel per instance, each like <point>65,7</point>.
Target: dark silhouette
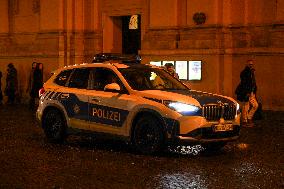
<point>35,83</point>
<point>11,84</point>
<point>170,68</point>
<point>1,96</point>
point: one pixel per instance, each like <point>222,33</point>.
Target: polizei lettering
<point>106,114</point>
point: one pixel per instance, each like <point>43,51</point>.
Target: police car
<point>140,103</point>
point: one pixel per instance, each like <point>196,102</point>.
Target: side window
<point>103,76</point>
<point>79,78</point>
<point>62,78</point>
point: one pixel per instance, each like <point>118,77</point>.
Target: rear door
<point>74,98</point>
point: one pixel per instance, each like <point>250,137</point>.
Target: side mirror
<point>112,87</point>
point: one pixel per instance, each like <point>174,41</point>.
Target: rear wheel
<point>54,125</point>
<point>148,136</point>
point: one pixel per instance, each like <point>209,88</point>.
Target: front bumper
<point>197,129</point>
<point>204,138</point>
<point>207,135</point>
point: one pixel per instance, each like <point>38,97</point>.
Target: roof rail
<point>124,58</point>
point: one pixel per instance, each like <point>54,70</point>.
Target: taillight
<point>41,92</point>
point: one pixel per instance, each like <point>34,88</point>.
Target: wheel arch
<point>146,111</point>
<point>52,107</point>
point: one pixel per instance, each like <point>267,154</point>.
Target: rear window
<point>62,78</point>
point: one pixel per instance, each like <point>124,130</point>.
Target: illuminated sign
<point>156,63</point>
<point>181,69</point>
<point>194,70</point>
<point>187,70</point>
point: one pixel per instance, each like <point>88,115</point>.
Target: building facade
<point>223,34</point>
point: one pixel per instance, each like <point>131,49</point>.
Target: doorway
<point>131,34</point>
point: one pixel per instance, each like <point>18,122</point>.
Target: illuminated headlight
<point>185,109</point>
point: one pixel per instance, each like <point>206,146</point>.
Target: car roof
<point>110,64</point>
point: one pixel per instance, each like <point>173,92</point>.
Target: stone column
<point>226,79</point>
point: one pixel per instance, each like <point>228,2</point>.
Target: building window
<point>187,70</point>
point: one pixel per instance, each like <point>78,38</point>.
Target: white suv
<point>141,103</point>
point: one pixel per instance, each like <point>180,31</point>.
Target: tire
<point>54,126</point>
<point>211,147</point>
<point>148,136</point>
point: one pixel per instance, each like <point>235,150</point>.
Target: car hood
<point>193,97</point>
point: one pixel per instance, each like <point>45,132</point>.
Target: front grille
<point>214,112</point>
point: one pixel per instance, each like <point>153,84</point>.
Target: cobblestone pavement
<point>27,160</point>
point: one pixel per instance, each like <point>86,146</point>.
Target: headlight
<point>184,109</point>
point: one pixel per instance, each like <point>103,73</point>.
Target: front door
<point>107,110</point>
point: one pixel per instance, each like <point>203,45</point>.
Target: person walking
<point>11,84</point>
<point>246,94</point>
<point>170,68</point>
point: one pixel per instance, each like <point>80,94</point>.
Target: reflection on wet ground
<point>179,180</point>
<point>187,150</point>
<point>27,160</point>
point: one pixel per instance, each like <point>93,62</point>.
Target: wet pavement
<point>27,160</point>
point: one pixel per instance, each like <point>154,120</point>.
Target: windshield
<point>151,79</point>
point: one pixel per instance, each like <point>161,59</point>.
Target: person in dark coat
<point>35,83</point>
<point>1,96</point>
<point>246,93</point>
<point>170,68</point>
<point>11,84</point>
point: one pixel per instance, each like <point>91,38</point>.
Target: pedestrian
<point>30,84</point>
<point>170,68</point>
<point>35,83</point>
<point>246,94</point>
<point>1,96</point>
<point>11,88</point>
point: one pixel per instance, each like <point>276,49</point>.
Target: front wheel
<point>54,126</point>
<point>148,136</point>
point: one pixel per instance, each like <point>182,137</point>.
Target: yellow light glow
<point>133,22</point>
<point>243,146</point>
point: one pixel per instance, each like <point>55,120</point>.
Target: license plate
<point>222,127</point>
